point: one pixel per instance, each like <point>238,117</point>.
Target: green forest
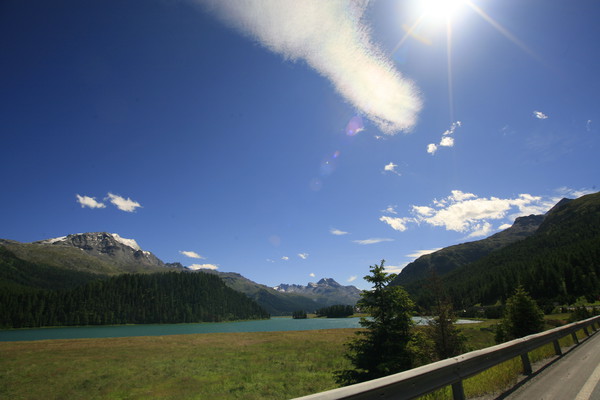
<point>556,265</point>
<point>171,297</point>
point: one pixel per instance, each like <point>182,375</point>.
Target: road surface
<point>576,376</point>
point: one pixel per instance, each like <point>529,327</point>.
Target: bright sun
<point>439,10</point>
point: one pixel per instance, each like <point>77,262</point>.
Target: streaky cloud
<point>123,204</point>
<point>333,39</point>
<point>373,241</point>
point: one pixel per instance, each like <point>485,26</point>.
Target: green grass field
<point>263,365</point>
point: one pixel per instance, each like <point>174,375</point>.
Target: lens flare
<point>355,125</point>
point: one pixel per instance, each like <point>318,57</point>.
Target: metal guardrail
<point>452,371</point>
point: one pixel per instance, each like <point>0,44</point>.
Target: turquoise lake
<point>267,325</point>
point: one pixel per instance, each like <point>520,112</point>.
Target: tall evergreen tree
<point>382,348</point>
<point>448,340</point>
<point>522,317</point>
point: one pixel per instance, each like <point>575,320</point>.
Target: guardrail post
<point>593,327</point>
<point>557,348</point>
<point>574,336</point>
<point>526,364</point>
<point>586,331</point>
<point>458,392</point>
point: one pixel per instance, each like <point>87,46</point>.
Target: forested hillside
<point>171,297</point>
<point>559,263</point>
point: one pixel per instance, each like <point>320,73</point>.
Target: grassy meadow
<point>263,365</point>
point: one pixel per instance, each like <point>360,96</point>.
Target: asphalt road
<point>575,376</point>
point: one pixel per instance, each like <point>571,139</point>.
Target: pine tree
<point>382,348</point>
<point>522,317</point>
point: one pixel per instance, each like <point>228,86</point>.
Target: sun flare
<point>439,10</point>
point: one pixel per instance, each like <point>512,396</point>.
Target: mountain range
<point>555,257</point>
<point>68,261</point>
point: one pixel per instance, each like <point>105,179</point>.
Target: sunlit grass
<point>264,365</point>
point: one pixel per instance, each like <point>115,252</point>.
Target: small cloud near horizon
<point>372,241</point>
<point>303,256</point>
<point>203,266</point>
<point>540,115</point>
<point>337,232</point>
<point>285,258</point>
<point>90,202</point>
<point>191,254</point>
<point>312,275</point>
<point>352,278</point>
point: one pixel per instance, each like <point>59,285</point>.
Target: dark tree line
<point>335,311</point>
<point>130,299</point>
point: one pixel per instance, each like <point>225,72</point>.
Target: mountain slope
<point>450,258</point>
<point>559,262</point>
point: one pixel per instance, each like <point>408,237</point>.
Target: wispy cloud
<point>447,140</point>
<point>471,214</point>
<point>390,210</point>
<point>573,193</point>
<point>337,232</point>
<point>312,275</point>
<point>332,38</point>
<point>373,241</point>
<point>191,254</point>
<point>285,258</point>
<point>203,266</point>
<point>540,115</point>
<point>418,253</point>
<point>123,204</point>
<point>395,269</point>
<point>352,278</point>
<point>90,202</point>
<point>391,167</point>
<point>303,256</point>
<point>588,125</point>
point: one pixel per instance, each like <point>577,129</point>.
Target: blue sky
<point>290,141</point>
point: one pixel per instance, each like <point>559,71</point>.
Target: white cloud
<point>419,253</point>
<point>191,254</point>
<point>373,241</point>
<point>337,232</point>
<point>504,226</point>
<point>588,125</point>
<point>90,202</point>
<point>390,210</point>
<point>447,140</point>
<point>539,115</point>
<point>467,213</point>
<point>312,275</point>
<point>352,278</point>
<point>122,203</point>
<point>423,210</point>
<point>391,167</point>
<point>332,38</point>
<point>481,230</point>
<point>285,258</point>
<point>398,224</point>
<point>203,266</point>
<point>303,256</point>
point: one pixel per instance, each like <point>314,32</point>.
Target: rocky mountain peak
<point>107,245</point>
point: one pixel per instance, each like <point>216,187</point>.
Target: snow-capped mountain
<point>326,287</point>
<point>107,245</point>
